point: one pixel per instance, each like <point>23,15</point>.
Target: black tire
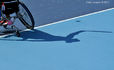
<point>25,16</point>
<point>17,34</point>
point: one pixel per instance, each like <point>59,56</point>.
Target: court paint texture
<point>84,43</point>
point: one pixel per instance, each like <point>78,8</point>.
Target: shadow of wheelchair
<point>40,36</point>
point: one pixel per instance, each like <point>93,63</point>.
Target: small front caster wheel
<point>17,34</point>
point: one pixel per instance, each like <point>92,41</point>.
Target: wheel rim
<point>22,14</point>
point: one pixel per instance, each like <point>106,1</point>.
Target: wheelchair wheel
<point>25,16</point>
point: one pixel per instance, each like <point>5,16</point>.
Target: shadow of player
<point>40,36</point>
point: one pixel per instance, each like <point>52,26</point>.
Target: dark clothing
<point>11,6</point>
<point>6,0</point>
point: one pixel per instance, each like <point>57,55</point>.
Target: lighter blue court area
<point>85,43</point>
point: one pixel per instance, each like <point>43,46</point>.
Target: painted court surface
<point>83,43</point>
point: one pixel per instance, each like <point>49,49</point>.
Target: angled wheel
<point>25,16</point>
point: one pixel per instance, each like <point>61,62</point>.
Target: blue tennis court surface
<point>85,43</point>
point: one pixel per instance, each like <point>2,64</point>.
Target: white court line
<point>64,20</point>
<point>74,18</point>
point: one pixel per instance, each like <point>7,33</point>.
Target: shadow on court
<point>40,36</point>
